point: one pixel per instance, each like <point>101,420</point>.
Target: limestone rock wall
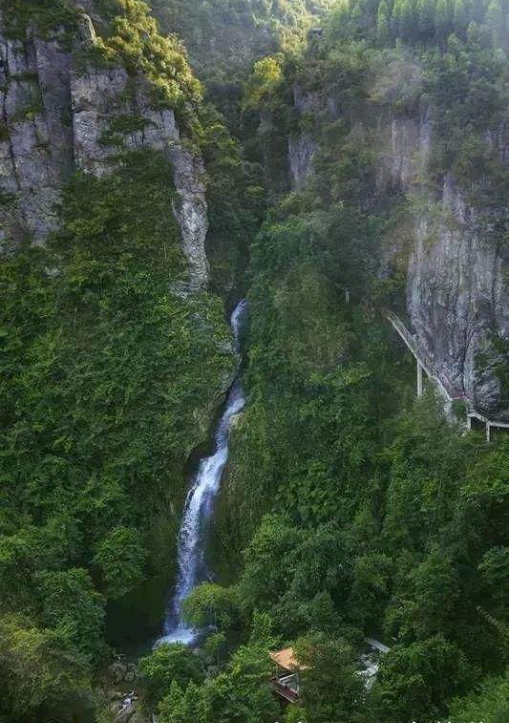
<point>457,286</point>
<point>35,135</point>
<point>56,117</point>
<point>456,274</point>
<point>302,146</point>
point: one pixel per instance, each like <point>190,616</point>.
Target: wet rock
<point>130,711</point>
<point>117,672</point>
<point>125,715</point>
<point>140,718</point>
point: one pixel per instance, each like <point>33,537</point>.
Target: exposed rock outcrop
<point>301,151</point>
<point>456,284</point>
<point>35,134</point>
<point>456,267</point>
<point>123,702</point>
<point>57,116</point>
<point>102,97</point>
<point>190,210</point>
<point>302,145</point>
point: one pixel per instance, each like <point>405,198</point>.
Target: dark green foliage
<point>120,557</point>
<point>211,605</point>
<point>348,508</point>
<point>4,133</point>
<point>42,679</point>
<point>121,126</point>
<point>332,690</point>
<point>389,521</point>
<point>48,16</point>
<point>416,680</point>
<point>240,694</point>
<point>235,197</point>
<point>294,575</point>
<point>489,702</point>
<point>71,605</point>
<point>421,22</point>
<point>166,665</point>
<point>108,380</point>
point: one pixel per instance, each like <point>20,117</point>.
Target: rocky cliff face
<point>456,268</point>
<point>36,141</point>
<point>58,115</point>
<point>456,283</point>
<point>302,146</point>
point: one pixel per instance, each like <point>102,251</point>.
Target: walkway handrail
<point>427,365</point>
<point>420,357</point>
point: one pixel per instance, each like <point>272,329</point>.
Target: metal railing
<point>473,411</point>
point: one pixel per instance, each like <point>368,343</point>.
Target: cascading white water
<point>199,506</point>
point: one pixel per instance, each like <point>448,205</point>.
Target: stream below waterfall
<point>198,508</point>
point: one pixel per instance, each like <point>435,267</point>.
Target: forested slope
<point>224,38</point>
<point>359,510</point>
<point>115,354</point>
<point>369,175</point>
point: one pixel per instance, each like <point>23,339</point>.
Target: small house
<point>286,680</point>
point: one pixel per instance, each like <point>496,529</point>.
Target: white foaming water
<point>198,509</point>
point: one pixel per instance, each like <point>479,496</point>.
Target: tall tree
<point>425,10</point>
<point>495,22</point>
<point>442,21</point>
<point>383,22</point>
<point>460,18</point>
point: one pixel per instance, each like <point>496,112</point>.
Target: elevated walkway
<point>450,395</point>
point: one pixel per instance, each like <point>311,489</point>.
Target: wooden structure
<point>285,680</point>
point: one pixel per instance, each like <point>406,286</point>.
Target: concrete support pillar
<point>347,296</point>
<point>419,379</point>
<point>488,431</point>
<point>469,423</point>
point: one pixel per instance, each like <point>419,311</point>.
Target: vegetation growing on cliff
<point>349,508</point>
<point>45,15</point>
<point>132,37</point>
<point>108,384</point>
<point>225,37</point>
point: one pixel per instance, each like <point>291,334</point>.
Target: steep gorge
<point>105,281</point>
<point>369,176</point>
<point>450,243</point>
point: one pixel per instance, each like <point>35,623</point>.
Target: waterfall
<point>192,568</point>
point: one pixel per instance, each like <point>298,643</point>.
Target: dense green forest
<point>224,37</point>
<point>349,507</point>
<point>108,382</point>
